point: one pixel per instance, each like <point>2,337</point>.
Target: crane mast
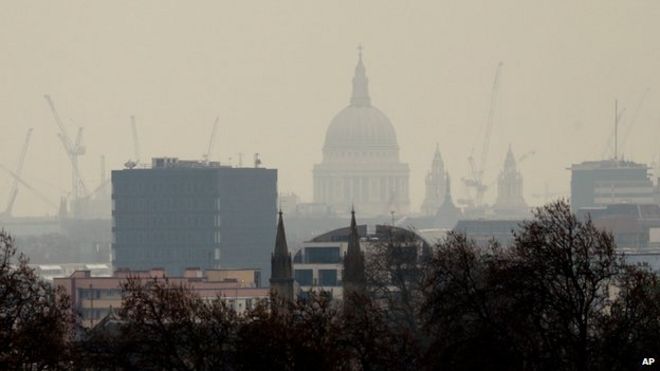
<point>209,151</point>
<point>13,193</point>
<point>25,184</point>
<point>477,170</point>
<point>136,141</point>
<point>73,151</point>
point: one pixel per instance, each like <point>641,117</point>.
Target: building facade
<point>95,297</point>
<point>361,165</point>
<point>180,214</point>
<point>319,264</point>
<point>607,182</point>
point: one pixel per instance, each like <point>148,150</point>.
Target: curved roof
<point>360,125</point>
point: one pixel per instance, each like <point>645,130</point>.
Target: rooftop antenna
<point>616,129</point>
<point>209,151</point>
<point>257,160</point>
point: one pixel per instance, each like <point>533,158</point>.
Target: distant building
<point>49,272</point>
<point>510,201</point>
<point>483,231</point>
<point>180,214</point>
<point>443,218</point>
<point>634,226</point>
<point>319,263</point>
<point>288,202</point>
<point>360,163</point>
<point>607,182</point>
<point>435,182</point>
<point>94,297</point>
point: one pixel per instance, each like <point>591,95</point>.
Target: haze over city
<point>277,73</point>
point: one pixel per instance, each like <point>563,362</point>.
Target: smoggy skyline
<point>276,74</point>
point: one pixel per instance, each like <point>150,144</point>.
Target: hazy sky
<point>277,71</point>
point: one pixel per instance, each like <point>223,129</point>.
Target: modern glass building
<point>607,182</point>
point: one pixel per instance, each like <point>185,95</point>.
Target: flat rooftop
<point>608,165</point>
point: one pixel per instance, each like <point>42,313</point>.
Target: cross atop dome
<point>360,95</point>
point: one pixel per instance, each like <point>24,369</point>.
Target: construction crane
<point>22,181</point>
<point>131,163</point>
<point>19,169</point>
<point>477,170</point>
<point>103,180</point>
<point>618,115</point>
<point>136,141</point>
<point>73,151</point>
<point>526,156</point>
<point>633,118</point>
<point>207,156</point>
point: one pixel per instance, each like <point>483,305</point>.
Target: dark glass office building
<point>179,214</point>
<point>609,182</point>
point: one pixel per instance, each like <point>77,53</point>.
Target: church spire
<point>360,95</point>
<point>281,277</point>
<point>281,247</point>
<point>435,183</point>
<point>354,237</point>
<point>448,214</point>
<point>354,279</point>
<point>510,161</point>
<point>510,188</point>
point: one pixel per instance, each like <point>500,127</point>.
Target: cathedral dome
<point>360,166</point>
<point>360,126</point>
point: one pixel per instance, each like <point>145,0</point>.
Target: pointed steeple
<point>354,237</point>
<point>448,203</point>
<point>510,189</point>
<point>437,159</point>
<point>435,184</point>
<point>510,161</point>
<point>281,278</point>
<point>354,280</point>
<point>360,96</point>
<point>448,214</point>
<point>281,247</point>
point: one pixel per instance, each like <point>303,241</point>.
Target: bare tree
<point>303,336</point>
<point>395,275</point>
<point>564,270</point>
<point>630,330</point>
<point>34,326</point>
<point>538,304</point>
<point>171,327</point>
